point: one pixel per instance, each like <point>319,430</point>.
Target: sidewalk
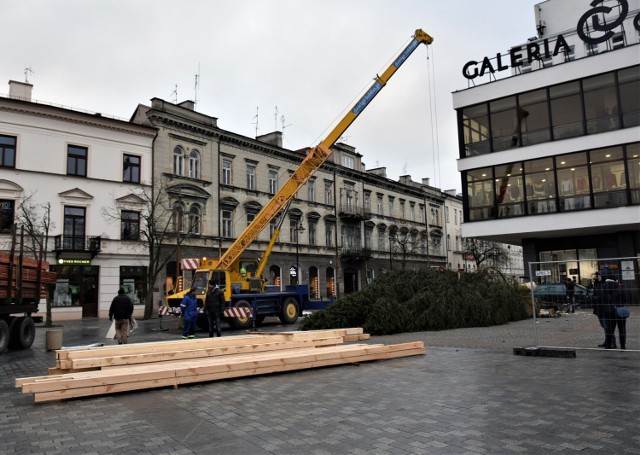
<point>469,395</point>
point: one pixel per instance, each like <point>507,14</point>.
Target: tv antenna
<point>284,124</point>
<point>275,119</point>
<point>256,117</point>
<point>197,85</point>
<point>27,70</point>
<point>175,95</point>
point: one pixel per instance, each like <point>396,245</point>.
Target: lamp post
<point>299,230</point>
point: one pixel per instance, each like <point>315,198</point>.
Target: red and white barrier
<point>240,312</point>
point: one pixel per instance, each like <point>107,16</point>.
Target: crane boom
<point>316,157</point>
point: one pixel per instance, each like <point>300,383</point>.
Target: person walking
<point>189,307</point>
<point>570,285</point>
<point>214,306</point>
<point>121,309</point>
<point>609,297</point>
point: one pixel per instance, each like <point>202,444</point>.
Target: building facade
<point>550,153</point>
<point>345,225</point>
<point>79,170</point>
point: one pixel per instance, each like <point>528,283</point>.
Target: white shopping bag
<point>111,333</point>
<point>133,325</point>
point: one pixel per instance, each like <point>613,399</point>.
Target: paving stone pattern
<point>468,395</point>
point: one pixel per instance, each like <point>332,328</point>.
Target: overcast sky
<point>310,59</point>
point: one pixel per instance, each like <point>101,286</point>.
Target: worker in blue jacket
<point>189,307</point>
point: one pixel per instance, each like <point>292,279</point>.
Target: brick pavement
<point>468,395</point>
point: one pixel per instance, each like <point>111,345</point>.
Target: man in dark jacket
<point>121,308</point>
<point>214,306</point>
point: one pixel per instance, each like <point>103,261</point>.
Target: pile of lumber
<point>23,279</point>
<point>110,369</point>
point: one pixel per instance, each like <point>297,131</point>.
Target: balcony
<point>77,244</point>
<point>355,253</point>
<point>353,212</point>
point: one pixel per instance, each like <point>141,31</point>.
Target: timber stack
<point>110,369</point>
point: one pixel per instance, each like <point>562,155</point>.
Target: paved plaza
<point>468,395</point>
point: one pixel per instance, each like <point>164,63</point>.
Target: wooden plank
<point>406,349</point>
<point>194,353</point>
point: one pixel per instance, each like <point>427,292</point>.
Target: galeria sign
<point>601,32</point>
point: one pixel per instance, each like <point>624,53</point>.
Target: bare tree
<point>36,220</point>
<point>404,242</point>
<point>160,233</point>
<point>486,253</point>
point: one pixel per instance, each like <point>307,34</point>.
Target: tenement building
<point>75,172</point>
<point>345,226</point>
<point>550,152</point>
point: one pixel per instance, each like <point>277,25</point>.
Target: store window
<point>509,190</point>
<point>133,280</point>
<point>573,182</point>
<point>540,186</point>
<point>608,178</point>
<point>480,194</point>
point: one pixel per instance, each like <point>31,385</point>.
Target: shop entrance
<point>77,285</point>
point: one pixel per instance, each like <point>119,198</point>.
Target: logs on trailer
<point>112,369</point>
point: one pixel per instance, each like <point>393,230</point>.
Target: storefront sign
<point>74,261</point>
<point>599,33</point>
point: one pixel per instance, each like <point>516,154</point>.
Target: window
<point>446,214</point>
<point>509,186</point>
<point>250,217</point>
<point>133,279</point>
<point>348,161</point>
<point>130,225</point>
<point>273,181</point>
<point>194,164</point>
<point>573,181</point>
<point>328,193</point>
<point>402,212</point>
<point>367,202</point>
<point>251,177</point>
<point>570,54</point>
<point>194,219</point>
<point>7,214</point>
<point>601,103</point>
<point>412,211</point>
<point>504,125</point>
<point>480,194</point>
<point>380,205</point>
<point>592,48</point>
<point>566,110</point>
<point>448,242</point>
<point>77,160</point>
<point>608,180</point>
<point>435,216</point>
<point>7,151</point>
<point>633,169</point>
<point>178,161</point>
<point>273,225</point>
<point>455,216</point>
<point>617,40</point>
<point>131,169</point>
<point>475,128</point>
<point>422,214</point>
<point>311,190</point>
<point>74,226</point>
<point>329,227</point>
<point>177,217</point>
<point>227,226</point>
<point>226,172</point>
<point>391,206</point>
<point>533,117</point>
<point>540,186</point>
<point>312,232</point>
<point>381,239</point>
<point>629,83</point>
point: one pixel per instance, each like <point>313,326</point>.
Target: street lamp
<point>299,230</point>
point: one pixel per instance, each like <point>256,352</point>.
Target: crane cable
<point>433,117</point>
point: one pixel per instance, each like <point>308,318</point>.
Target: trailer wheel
<point>241,323</point>
<point>290,311</point>
<point>4,335</point>
<point>23,332</point>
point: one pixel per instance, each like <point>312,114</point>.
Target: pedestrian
<point>189,308</point>
<point>214,306</point>
<point>121,309</point>
<point>570,294</point>
<point>610,297</point>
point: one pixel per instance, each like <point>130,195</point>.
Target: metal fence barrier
<point>579,314</point>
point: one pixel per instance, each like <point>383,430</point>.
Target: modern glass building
<point>549,137</point>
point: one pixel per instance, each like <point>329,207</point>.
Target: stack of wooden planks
<point>110,369</point>
<point>27,284</point>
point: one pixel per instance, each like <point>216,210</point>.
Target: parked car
<point>554,295</point>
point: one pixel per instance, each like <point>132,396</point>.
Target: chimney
<point>188,104</point>
<point>274,138</point>
<point>20,90</point>
<point>425,181</point>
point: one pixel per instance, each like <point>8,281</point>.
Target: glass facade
<point>596,104</point>
<point>599,178</point>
